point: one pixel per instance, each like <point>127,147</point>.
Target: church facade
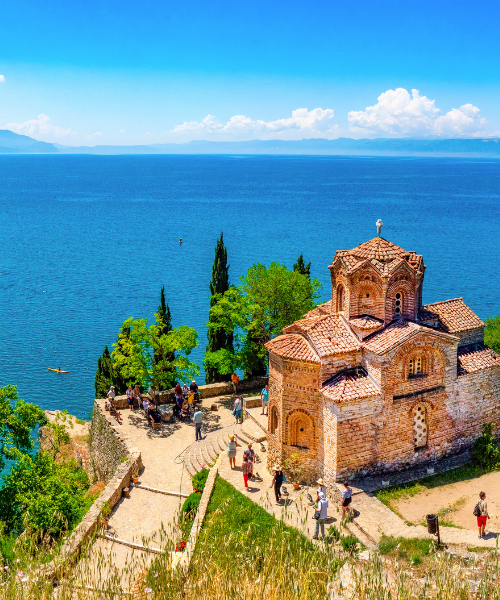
<point>373,381</point>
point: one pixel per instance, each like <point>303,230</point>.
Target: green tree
<point>104,374</point>
<point>164,319</point>
<point>218,338</point>
<point>136,360</point>
<point>123,348</point>
<point>301,267</point>
<point>17,420</point>
<point>492,333</point>
<point>268,299</point>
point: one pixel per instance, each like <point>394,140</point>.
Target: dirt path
<point>460,498</point>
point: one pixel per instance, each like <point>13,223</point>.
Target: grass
<point>412,550</point>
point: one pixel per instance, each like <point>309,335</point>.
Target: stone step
<point>253,431</point>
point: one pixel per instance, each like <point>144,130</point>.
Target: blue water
<point>88,241</point>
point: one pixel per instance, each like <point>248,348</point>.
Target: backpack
<point>477,511</point>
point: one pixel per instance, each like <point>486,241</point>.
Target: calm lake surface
<point>88,241</point>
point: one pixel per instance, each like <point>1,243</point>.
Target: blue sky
<point>151,72</point>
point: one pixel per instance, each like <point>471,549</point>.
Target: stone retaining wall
<point>206,391</point>
<point>112,455</point>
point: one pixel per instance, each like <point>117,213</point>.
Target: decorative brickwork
<point>373,381</point>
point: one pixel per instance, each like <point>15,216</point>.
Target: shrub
<point>190,506</point>
<point>334,533</point>
<point>200,479</point>
<point>349,543</point>
<point>485,451</point>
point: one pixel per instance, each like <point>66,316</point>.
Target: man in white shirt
<point>197,420</point>
<point>322,509</point>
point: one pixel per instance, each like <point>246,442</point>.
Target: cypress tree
<point>104,374</point>
<point>301,267</point>
<point>165,325</point>
<point>218,340</point>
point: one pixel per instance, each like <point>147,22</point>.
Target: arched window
<point>416,367</point>
<point>340,298</point>
<point>420,428</point>
<point>274,419</point>
<point>301,430</point>
<point>398,304</point>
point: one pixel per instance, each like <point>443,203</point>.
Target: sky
<point>109,72</point>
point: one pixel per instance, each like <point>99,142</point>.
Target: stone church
<point>374,381</point>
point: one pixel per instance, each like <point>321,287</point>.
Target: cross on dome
<point>379,226</point>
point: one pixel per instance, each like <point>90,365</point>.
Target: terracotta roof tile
<point>476,357</point>
<point>382,254</point>
<point>452,315</point>
<point>292,346</point>
<point>351,384</point>
<point>320,310</point>
<point>366,322</point>
<point>394,334</point>
<point>328,334</point>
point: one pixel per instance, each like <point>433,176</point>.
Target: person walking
<point>250,454</point>
<point>264,398</point>
<point>237,409</point>
<point>231,452</point>
<point>277,482</point>
<point>322,509</point>
<point>197,421</point>
<point>235,381</point>
<point>346,499</point>
<point>247,468</point>
<point>481,512</point>
<point>321,486</point>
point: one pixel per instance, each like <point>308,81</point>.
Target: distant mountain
<point>11,142</point>
<point>341,146</point>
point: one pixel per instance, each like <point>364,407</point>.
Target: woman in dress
<point>231,452</point>
<point>346,499</point>
<point>237,409</point>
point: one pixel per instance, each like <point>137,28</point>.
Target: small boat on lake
<point>58,371</point>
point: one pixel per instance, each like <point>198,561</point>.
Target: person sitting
<point>137,396</point>
<point>179,400</point>
<point>178,390</point>
<point>154,416</point>
<point>185,408</point>
<point>194,389</point>
<point>146,405</point>
<point>185,390</point>
<point>130,397</point>
<point>114,412</point>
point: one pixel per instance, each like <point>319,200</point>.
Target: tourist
<point>185,408</point>
<point>197,421</point>
<point>346,499</point>
<point>185,390</point>
<point>137,396</point>
<point>145,405</point>
<point>481,511</point>
<point>190,400</point>
<point>194,389</point>
<point>247,469</point>
<point>231,452</point>
<point>264,398</point>
<point>322,486</point>
<point>178,390</point>
<point>322,509</point>
<point>250,455</point>
<point>277,483</point>
<point>130,397</point>
<point>154,395</point>
<point>179,401</point>
<point>235,381</point>
<point>154,415</point>
<point>111,393</point>
<point>237,409</point>
<point>113,411</point>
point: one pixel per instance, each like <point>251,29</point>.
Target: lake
<point>88,241</point>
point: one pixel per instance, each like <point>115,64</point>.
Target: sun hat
<point>231,438</point>
<point>320,481</point>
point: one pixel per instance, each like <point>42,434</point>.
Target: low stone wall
<point>185,560</point>
<point>207,391</point>
<point>112,456</point>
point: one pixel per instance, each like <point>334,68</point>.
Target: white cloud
<point>302,124</point>
<point>92,136</point>
<point>2,78</point>
<point>39,127</point>
<point>398,112</point>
